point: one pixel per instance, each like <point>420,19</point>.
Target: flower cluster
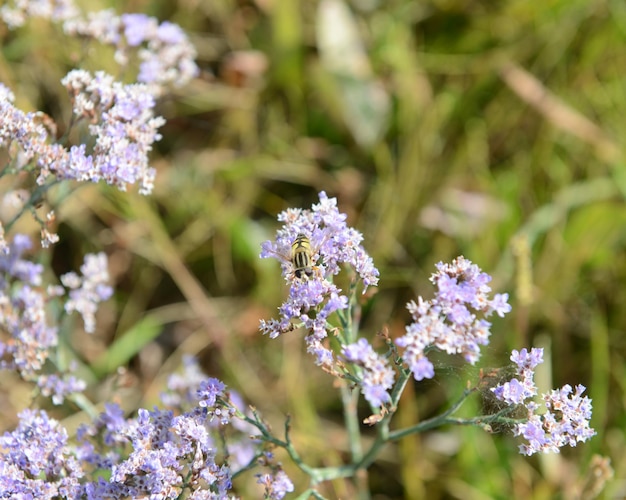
<point>165,53</point>
<point>567,413</point>
<point>376,376</point>
<point>55,10</point>
<point>58,387</point>
<point>157,454</point>
<point>22,311</point>
<point>166,453</point>
<point>88,291</point>
<point>36,460</point>
<point>119,117</point>
<point>449,321</point>
<point>277,484</point>
<point>313,299</point>
<point>23,314</point>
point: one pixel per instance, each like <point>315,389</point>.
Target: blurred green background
<point>491,129</point>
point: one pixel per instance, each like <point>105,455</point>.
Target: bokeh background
<point>491,129</point>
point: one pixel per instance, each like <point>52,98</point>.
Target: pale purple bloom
<point>123,125</point>
<point>208,392</point>
<point>26,131</point>
<point>567,415</point>
<point>121,121</point>
<point>277,484</point>
<point>513,392</point>
<point>333,242</point>
<point>375,375</point>
<point>450,321</point>
<point>35,460</point>
<point>59,387</point>
<point>182,387</point>
<point>138,28</point>
<point>165,452</point>
<point>525,360</point>
<point>88,291</point>
<point>15,13</point>
<point>420,365</point>
<point>165,53</point>
<point>23,315</point>
<point>312,299</point>
<point>12,263</point>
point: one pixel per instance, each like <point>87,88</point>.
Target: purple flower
<point>165,451</point>
<point>182,387</point>
<point>208,392</point>
<point>527,361</point>
<point>375,375</point>
<point>59,387</point>
<point>124,128</point>
<point>312,299</point>
<point>55,10</point>
<point>165,53</point>
<point>138,28</point>
<point>22,311</point>
<point>88,291</point>
<point>122,123</point>
<point>567,415</point>
<point>450,321</point>
<point>277,484</point>
<point>35,460</point>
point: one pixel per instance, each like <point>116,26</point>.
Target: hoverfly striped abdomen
<point>301,256</point>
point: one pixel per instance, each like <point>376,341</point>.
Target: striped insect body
<point>302,256</point>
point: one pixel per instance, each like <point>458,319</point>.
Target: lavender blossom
<point>166,55</point>
<point>277,484</point>
<point>167,453</point>
<point>27,132</point>
<point>35,460</point>
<point>182,387</point>
<point>88,291</point>
<point>449,321</point>
<point>208,392</point>
<point>59,387</point>
<point>22,311</point>
<point>55,10</point>
<point>567,415</point>
<point>122,124</point>
<point>312,300</point>
<point>376,376</point>
<point>124,128</point>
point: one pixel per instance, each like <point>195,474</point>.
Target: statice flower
<point>166,55</point>
<point>182,387</point>
<point>312,299</point>
<point>59,386</point>
<point>565,420</point>
<point>35,460</point>
<point>167,453</point>
<point>277,485</point>
<point>28,133</point>
<point>22,311</point>
<point>375,376</point>
<point>88,290</point>
<point>122,123</point>
<point>124,128</point>
<point>517,390</point>
<point>450,321</point>
<point>15,13</point>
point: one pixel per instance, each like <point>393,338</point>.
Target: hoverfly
<point>302,256</point>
